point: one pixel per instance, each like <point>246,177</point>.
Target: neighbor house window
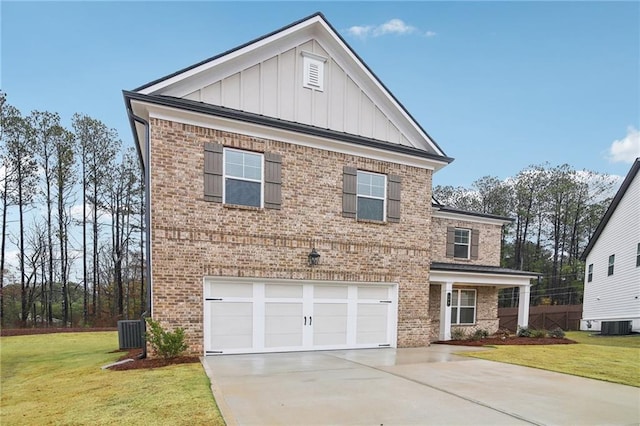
<point>463,306</point>
<point>462,243</point>
<point>612,260</point>
<point>371,196</point>
<point>638,256</point>
<point>590,273</point>
<point>242,178</point>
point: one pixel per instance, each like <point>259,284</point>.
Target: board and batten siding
<point>274,88</point>
<point>617,296</point>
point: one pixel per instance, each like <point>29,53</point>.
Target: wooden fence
<point>543,317</point>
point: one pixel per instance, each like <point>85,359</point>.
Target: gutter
<point>147,210</point>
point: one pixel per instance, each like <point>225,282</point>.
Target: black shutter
<point>272,180</point>
<point>451,240</point>
<point>475,243</point>
<point>349,191</point>
<point>393,198</point>
<point>213,172</point>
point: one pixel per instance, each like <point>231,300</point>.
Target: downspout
<point>147,216</point>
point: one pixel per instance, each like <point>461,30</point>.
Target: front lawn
<point>610,358</point>
<point>56,379</point>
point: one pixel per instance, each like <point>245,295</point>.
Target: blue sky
<point>498,85</point>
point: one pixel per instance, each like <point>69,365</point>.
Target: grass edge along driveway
<point>56,379</point>
<point>609,358</point>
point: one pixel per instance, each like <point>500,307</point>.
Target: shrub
<point>458,334</point>
<point>164,343</point>
<point>557,333</point>
<point>503,333</point>
<point>523,332</point>
<point>539,334</point>
<point>479,334</point>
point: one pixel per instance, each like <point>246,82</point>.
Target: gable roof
<point>314,27</point>
<point>633,172</point>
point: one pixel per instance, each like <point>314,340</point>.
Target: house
<point>289,206</point>
<point>612,276</point>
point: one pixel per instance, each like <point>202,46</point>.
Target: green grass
<point>56,379</point>
<point>614,359</point>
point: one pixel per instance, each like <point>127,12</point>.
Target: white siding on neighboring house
<point>617,296</point>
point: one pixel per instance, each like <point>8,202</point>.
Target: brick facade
<point>489,247</point>
<point>193,238</point>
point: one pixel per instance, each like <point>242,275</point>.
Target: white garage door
<point>245,317</point>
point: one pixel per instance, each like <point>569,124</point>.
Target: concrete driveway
<point>426,386</point>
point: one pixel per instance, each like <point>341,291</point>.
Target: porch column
<point>523,305</point>
<point>445,310</point>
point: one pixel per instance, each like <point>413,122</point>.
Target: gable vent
<point>313,69</point>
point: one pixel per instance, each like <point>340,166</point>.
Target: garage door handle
<point>305,320</point>
<point>310,319</point>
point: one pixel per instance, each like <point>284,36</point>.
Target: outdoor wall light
<point>314,257</point>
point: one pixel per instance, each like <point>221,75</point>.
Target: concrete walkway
<point>419,386</point>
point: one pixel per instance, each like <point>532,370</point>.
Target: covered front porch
<point>468,295</point>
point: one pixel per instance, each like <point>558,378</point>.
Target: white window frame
<point>638,256</point>
<point>225,176</point>
<point>611,265</point>
<point>590,273</point>
<point>310,60</point>
<point>455,303</point>
<point>468,244</point>
<point>372,197</point>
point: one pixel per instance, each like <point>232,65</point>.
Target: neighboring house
<point>289,206</point>
<point>612,273</point>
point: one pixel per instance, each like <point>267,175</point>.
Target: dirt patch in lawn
<point>490,341</point>
<point>138,363</point>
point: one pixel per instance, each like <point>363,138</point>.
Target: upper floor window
<point>590,273</point>
<point>371,196</point>
<point>462,243</point>
<point>463,306</point>
<point>612,260</point>
<point>242,178</point>
<point>638,255</point>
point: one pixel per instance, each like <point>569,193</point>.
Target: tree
<point>65,179</point>
<point>43,126</point>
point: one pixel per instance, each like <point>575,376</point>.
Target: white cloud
<point>392,26</point>
<point>626,150</point>
<point>359,31</point>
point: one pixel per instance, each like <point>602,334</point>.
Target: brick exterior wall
<point>193,238</point>
<point>489,246</point>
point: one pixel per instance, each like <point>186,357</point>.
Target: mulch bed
<point>489,341</point>
<point>150,362</point>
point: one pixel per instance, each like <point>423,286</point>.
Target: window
<point>463,307</point>
<point>242,178</point>
<point>638,256</point>
<point>313,71</point>
<point>371,196</point>
<point>612,260</point>
<point>590,273</point>
<point>461,243</point>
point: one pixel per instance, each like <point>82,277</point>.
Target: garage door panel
<point>265,317</point>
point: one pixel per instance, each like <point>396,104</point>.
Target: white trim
<point>373,197</point>
<point>457,305</point>
<point>480,278</point>
<point>224,173</point>
<point>468,256</point>
<point>295,138</point>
